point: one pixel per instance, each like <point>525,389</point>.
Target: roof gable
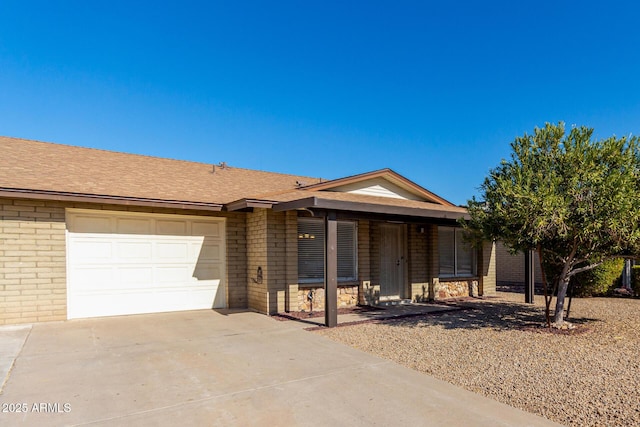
<point>381,183</point>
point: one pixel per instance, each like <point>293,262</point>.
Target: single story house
<point>87,232</point>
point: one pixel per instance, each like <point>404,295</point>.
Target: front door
<point>392,261</point>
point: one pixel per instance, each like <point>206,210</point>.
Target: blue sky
<point>434,90</point>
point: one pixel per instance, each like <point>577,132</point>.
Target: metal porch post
<point>529,277</point>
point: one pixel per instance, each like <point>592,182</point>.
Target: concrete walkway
<point>219,368</point>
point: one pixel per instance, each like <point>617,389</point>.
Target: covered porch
<point>351,254</point>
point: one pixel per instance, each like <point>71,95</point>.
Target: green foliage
<point>567,195</point>
<point>561,191</point>
<point>599,281</point>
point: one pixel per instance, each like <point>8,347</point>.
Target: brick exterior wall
<point>33,281</point>
<point>433,259</point>
<point>267,238</point>
<point>418,263</point>
<point>277,260</point>
<point>257,259</point>
<point>488,269</point>
<point>291,256</point>
<point>32,262</point>
<point>510,268</point>
<point>236,260</point>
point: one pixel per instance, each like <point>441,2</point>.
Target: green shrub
<point>599,281</point>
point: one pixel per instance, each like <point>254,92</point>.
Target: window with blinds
<point>447,251</point>
<point>311,238</point>
<point>457,257</point>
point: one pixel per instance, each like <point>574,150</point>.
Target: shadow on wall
<point>209,270</point>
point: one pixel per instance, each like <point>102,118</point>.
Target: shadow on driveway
<point>490,313</point>
<point>232,368</point>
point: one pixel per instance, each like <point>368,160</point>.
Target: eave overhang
<point>248,204</point>
<point>340,205</point>
<point>101,198</point>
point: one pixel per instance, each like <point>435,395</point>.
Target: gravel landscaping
<point>588,376</point>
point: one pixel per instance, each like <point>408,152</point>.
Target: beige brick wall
<point>291,256</point>
<point>487,266</point>
<point>277,260</point>
<point>32,262</point>
<point>33,257</point>
<point>257,260</point>
<point>418,262</point>
<point>269,236</point>
<point>236,260</point>
<point>510,268</point>
<point>433,259</point>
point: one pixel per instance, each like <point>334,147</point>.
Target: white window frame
<point>318,236</point>
<point>459,245</point>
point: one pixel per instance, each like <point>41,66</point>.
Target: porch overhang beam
<point>340,205</point>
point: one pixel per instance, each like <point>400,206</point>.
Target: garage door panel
<point>135,278</point>
<point>95,277</point>
<point>129,251</point>
<point>171,227</point>
<point>134,226</point>
<point>174,274</point>
<point>177,250</point>
<point>206,272</point>
<point>129,302</point>
<point>90,251</point>
<point>155,263</point>
<point>90,224</point>
<point>210,252</point>
<point>201,228</point>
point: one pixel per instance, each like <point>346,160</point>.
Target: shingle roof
<point>34,165</point>
<point>66,172</point>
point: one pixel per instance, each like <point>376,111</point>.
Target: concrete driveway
<point>219,368</point>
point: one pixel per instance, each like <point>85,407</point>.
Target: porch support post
<point>529,277</point>
<point>331,271</point>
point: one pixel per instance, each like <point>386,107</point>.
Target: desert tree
<point>574,199</point>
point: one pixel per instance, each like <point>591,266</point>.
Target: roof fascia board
<point>248,203</point>
<point>113,200</point>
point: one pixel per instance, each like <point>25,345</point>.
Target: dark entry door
<point>391,261</point>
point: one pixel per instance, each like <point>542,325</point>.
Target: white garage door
<point>129,263</point>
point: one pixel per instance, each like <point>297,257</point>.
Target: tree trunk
<point>558,317</point>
